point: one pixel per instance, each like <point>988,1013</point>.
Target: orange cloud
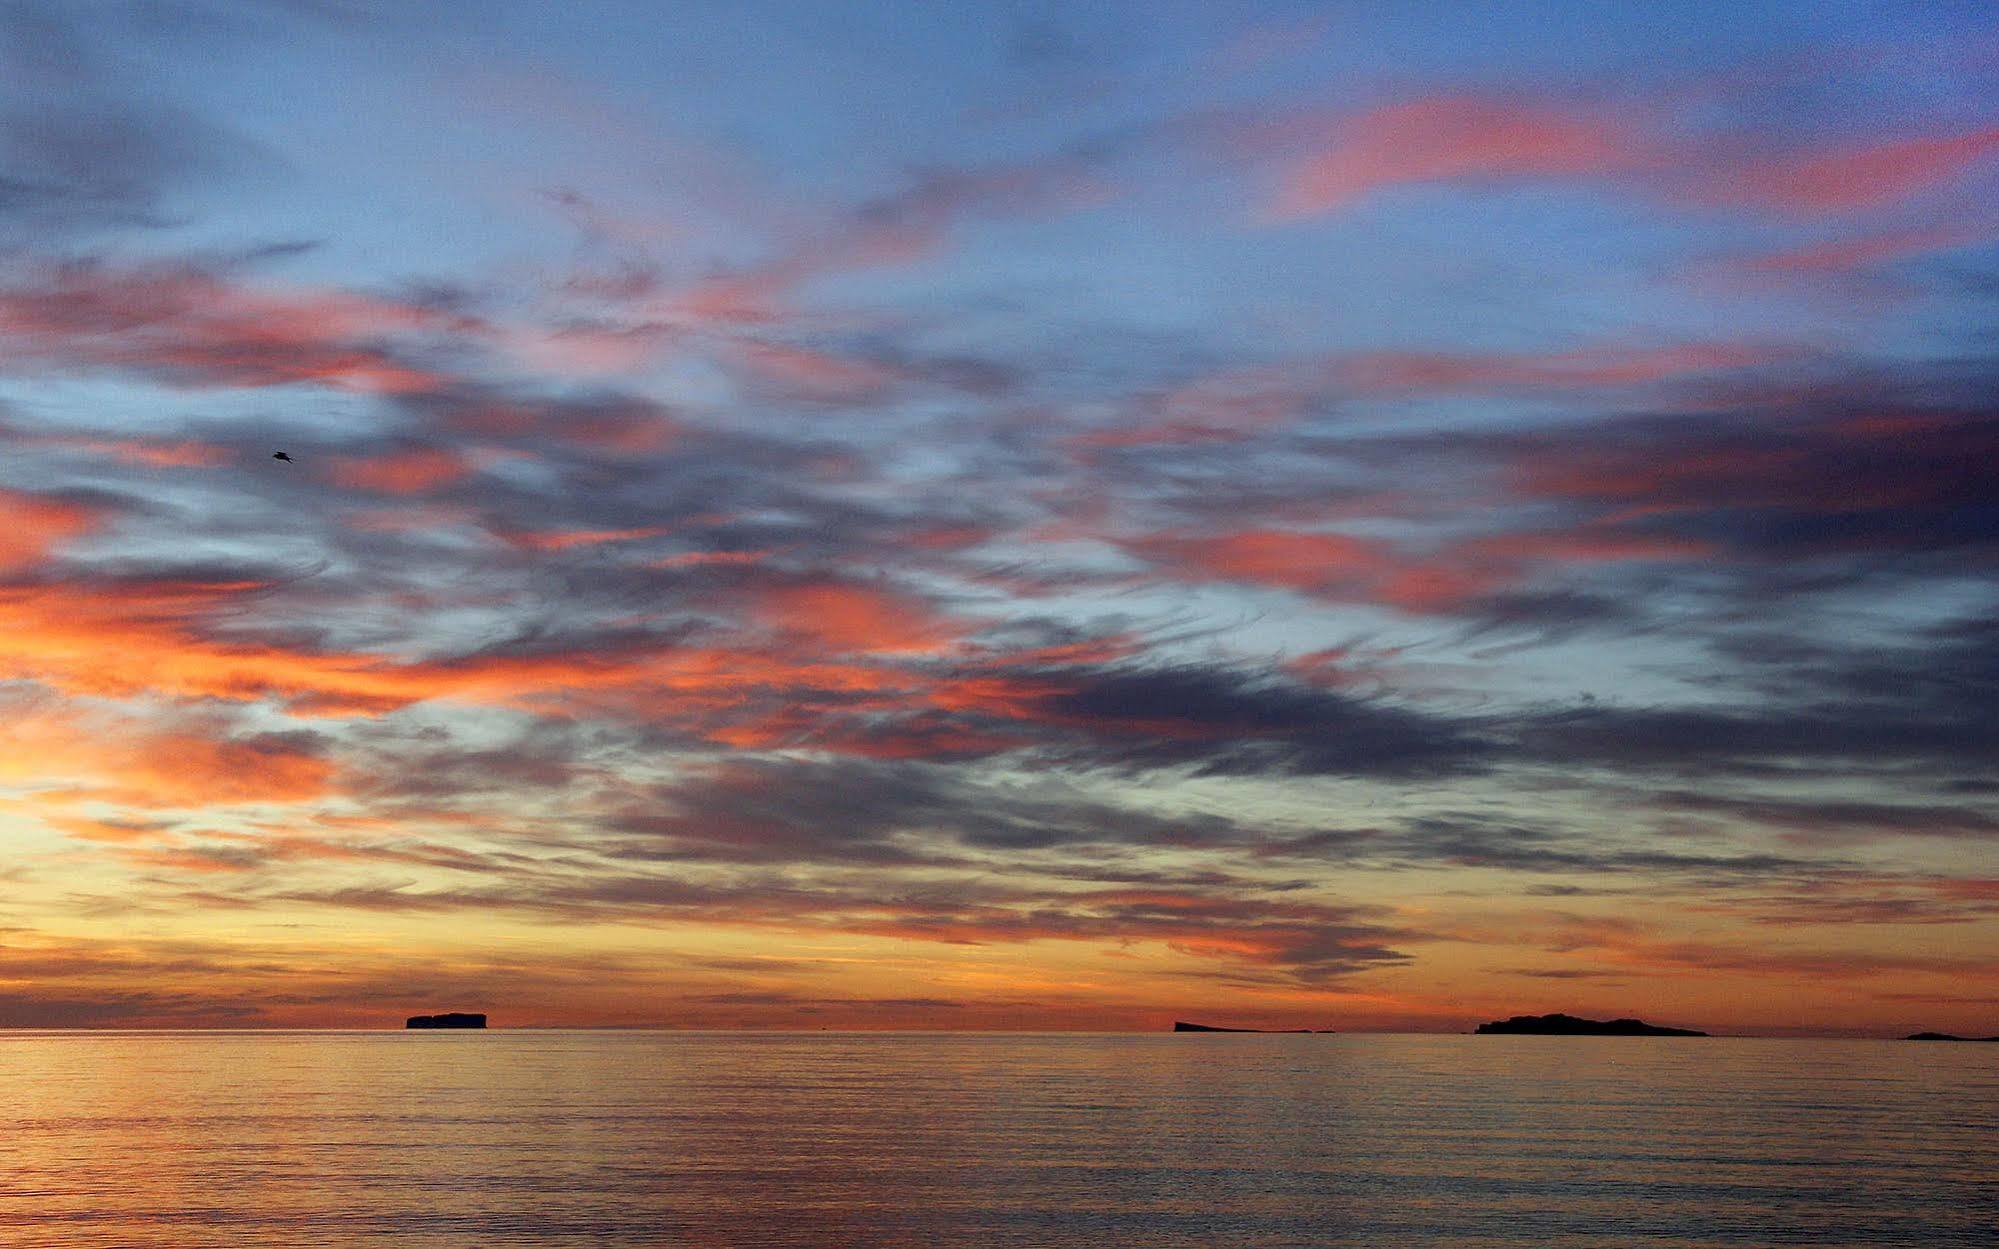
<point>162,454</point>
<point>419,470</point>
<point>116,832</point>
<point>709,559</point>
<point>565,539</point>
<point>31,526</point>
<point>1620,943</point>
<point>219,851</point>
<point>856,619</point>
<point>123,640</point>
<point>132,765</point>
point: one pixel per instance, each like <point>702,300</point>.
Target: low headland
<point>1946,1036</point>
<point>1570,1025</point>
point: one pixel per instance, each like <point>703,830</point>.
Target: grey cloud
<point>85,145</point>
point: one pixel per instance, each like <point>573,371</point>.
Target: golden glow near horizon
<point>1264,539</point>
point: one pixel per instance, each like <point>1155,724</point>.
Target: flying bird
<point>279,455</point>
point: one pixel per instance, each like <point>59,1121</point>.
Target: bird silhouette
<point>279,455</point>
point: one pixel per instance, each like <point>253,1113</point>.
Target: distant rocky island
<point>1180,1025</point>
<point>1569,1025</point>
<point>1946,1036</point>
<point>450,1019</point>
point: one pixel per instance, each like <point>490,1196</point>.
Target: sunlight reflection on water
<point>577,1138</point>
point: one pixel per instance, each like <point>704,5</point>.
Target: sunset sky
<point>1361,515</point>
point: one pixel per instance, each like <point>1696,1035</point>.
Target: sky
<point>1017,516</point>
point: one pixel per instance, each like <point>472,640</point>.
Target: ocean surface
<point>717,1139</point>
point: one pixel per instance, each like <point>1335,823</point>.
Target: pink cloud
<point>1593,366</point>
<point>188,327</point>
<point>140,452</point>
<point>1451,137</point>
<point>1327,163</point>
<point>1840,179</point>
<point>1848,254</point>
<point>1437,580</point>
<point>416,471</point>
<point>1242,403</point>
<point>814,374</point>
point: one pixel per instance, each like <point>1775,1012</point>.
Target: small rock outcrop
<point>1183,1026</point>
<point>1570,1025</point>
<point>1946,1036</point>
<point>450,1019</point>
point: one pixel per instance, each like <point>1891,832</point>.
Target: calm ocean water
<point>700,1139</point>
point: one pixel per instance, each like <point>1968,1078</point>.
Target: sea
<point>552,1138</point>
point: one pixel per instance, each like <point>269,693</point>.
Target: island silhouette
<point>450,1019</point>
<point>1570,1025</point>
<point>1946,1036</point>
